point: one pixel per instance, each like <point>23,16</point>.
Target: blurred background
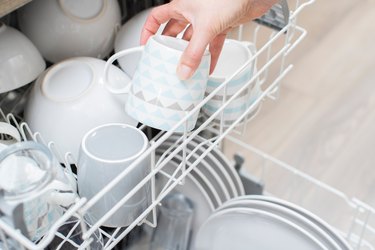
<point>324,120</point>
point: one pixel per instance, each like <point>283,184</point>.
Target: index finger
<point>157,17</point>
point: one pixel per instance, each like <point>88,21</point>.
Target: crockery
<point>288,214</point>
<point>20,60</point>
<point>67,28</point>
<point>210,173</point>
<point>106,151</point>
<point>223,160</point>
<point>70,98</point>
<point>212,164</point>
<point>224,72</point>
<point>239,228</point>
<point>156,91</point>
<point>307,214</point>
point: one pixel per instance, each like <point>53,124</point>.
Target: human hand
<point>206,22</point>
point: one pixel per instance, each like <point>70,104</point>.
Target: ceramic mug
<point>33,184</point>
<point>106,151</point>
<point>157,97</point>
<point>234,55</point>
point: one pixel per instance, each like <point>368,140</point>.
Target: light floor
<point>324,121</point>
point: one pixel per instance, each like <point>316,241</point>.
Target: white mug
<point>157,97</point>
<point>106,151</point>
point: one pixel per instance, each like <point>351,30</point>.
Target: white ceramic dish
<point>203,178</point>
<point>307,214</point>
<point>61,29</point>
<point>20,61</point>
<point>70,98</point>
<point>217,154</point>
<point>244,228</point>
<point>213,162</point>
<point>287,214</point>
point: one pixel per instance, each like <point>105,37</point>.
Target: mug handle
<point>8,129</point>
<point>109,62</point>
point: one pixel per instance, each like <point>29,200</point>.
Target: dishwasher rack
<point>353,218</point>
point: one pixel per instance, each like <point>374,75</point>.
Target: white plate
<point>307,214</point>
<point>216,153</point>
<point>192,189</point>
<point>199,148</point>
<point>214,185</point>
<point>245,228</point>
<point>287,214</point>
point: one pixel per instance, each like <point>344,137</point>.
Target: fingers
<point>192,55</point>
<point>215,49</point>
<point>158,16</point>
<point>174,27</point>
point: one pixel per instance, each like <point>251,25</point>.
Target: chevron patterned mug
<point>157,97</point>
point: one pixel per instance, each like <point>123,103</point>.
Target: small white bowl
<point>70,98</point>
<point>67,28</point>
<point>20,61</point>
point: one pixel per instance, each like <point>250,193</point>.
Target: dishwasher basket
<point>351,217</point>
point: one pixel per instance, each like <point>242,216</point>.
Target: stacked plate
<point>210,184</point>
<point>261,222</point>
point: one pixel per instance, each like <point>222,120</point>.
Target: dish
<point>217,154</point>
<point>214,163</point>
<point>288,214</point>
<point>213,185</point>
<point>239,228</point>
<point>307,214</point>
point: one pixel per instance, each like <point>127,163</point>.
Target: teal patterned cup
<point>157,97</point>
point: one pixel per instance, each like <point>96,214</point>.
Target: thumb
<point>192,55</point>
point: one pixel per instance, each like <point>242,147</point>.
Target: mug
<point>106,151</point>
<point>235,54</point>
<point>34,187</point>
<point>157,97</point>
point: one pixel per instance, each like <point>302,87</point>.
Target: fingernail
<point>184,72</point>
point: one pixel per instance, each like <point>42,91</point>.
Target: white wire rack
<point>352,218</point>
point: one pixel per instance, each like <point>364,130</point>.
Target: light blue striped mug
<point>157,97</point>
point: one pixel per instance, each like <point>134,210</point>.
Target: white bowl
<point>70,98</point>
<point>67,28</point>
<point>20,61</point>
<point>129,36</point>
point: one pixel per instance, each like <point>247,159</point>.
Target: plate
<point>287,214</point>
<point>217,154</point>
<point>214,163</point>
<point>307,214</point>
<point>214,185</point>
<point>245,228</point>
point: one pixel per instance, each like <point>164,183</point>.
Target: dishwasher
<point>194,155</point>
